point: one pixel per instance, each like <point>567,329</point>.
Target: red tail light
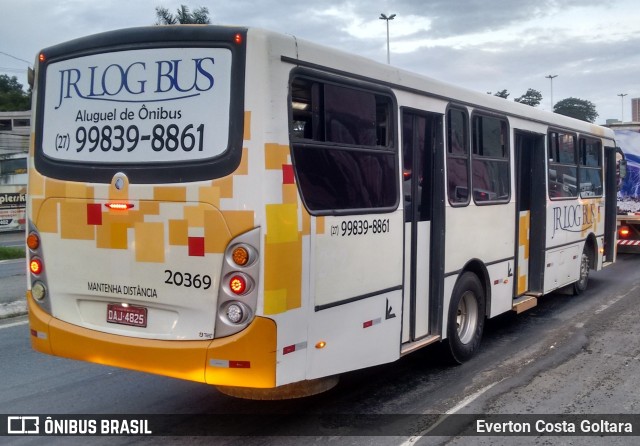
<point>624,231</point>
<point>36,266</point>
<point>238,284</point>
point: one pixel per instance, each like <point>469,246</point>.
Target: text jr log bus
<point>249,210</point>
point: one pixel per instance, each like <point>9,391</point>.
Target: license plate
<point>134,316</point>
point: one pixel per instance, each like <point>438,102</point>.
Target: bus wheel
<point>466,318</point>
<point>583,279</point>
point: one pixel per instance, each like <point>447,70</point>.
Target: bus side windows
<point>563,168</point>
<point>342,146</point>
<point>590,168</point>
<point>457,157</point>
<point>490,164</point>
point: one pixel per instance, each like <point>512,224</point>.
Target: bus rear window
<point>140,106</point>
<point>156,105</point>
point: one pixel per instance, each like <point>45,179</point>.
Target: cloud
<point>486,45</point>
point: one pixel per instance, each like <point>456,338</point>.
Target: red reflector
<point>288,349</point>
<point>38,334</point>
<point>239,364</point>
<point>238,284</point>
<point>371,323</point>
<point>119,206</point>
<point>35,265</point>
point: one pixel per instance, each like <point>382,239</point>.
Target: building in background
<point>635,109</point>
<point>15,130</point>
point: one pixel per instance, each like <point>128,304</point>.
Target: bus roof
<point>401,79</point>
<point>337,60</point>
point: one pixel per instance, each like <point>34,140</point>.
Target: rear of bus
<point>139,256</point>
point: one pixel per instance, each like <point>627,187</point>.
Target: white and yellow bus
<point>253,211</point>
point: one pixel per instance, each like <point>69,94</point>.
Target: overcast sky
<point>486,45</point>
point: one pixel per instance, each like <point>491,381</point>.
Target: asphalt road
<point>15,238</point>
<point>13,280</point>
<point>569,355</point>
<point>587,361</point>
<point>13,285</point>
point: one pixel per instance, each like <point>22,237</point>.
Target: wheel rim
<point>467,317</point>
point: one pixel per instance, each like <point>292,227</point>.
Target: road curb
<point>13,309</point>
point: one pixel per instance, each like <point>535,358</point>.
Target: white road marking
<point>13,324</point>
<point>465,402</point>
<point>614,300</point>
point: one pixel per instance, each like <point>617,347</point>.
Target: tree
<point>577,108</point>
<point>531,97</point>
<point>502,94</point>
<point>12,96</point>
<point>183,16</point>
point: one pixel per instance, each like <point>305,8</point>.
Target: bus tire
<point>466,318</point>
<point>583,277</point>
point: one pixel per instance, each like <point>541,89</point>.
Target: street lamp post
<point>550,77</point>
<point>622,95</point>
<point>387,18</point>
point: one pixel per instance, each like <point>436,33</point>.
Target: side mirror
<point>623,169</point>
<point>621,164</point>
<point>31,74</point>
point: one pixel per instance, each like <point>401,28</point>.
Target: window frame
<point>112,42</point>
<point>327,79</point>
<point>388,151</point>
<point>551,161</point>
<point>18,166</point>
<point>506,131</point>
<point>583,166</point>
<point>21,122</point>
<point>466,156</point>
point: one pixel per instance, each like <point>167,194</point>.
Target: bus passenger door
<point>531,216</point>
<point>421,139</point>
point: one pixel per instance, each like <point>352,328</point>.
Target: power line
<point>16,58</point>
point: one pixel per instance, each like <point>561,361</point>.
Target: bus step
<point>525,302</point>
<point>410,347</point>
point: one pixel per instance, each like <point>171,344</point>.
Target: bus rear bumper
<point>246,359</point>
